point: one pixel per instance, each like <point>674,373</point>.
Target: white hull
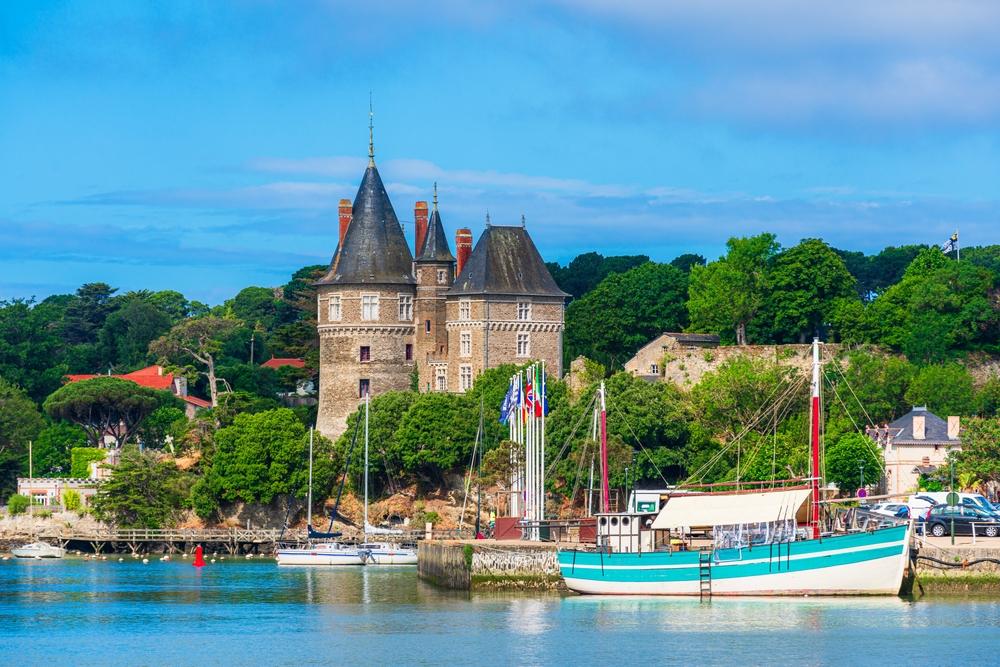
<point>320,554</point>
<point>38,550</point>
<point>387,553</point>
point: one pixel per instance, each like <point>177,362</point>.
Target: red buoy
<point>199,558</point>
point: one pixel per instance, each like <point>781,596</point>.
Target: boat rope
<point>965,563</point>
<point>868,441</point>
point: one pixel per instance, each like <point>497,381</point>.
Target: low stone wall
<point>489,565</point>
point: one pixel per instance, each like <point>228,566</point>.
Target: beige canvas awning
<point>724,510</point>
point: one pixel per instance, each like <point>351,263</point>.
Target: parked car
<point>940,518</point>
<point>920,503</point>
<point>894,510</point>
<point>967,499</point>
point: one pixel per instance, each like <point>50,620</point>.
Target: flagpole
<point>541,450</point>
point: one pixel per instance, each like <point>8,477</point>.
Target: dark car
<point>940,517</point>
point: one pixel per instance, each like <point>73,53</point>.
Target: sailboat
<point>320,548</point>
<point>758,546</point>
<point>377,552</point>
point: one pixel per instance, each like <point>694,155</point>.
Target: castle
<point>385,314</point>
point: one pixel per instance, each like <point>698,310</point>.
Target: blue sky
<point>203,146</point>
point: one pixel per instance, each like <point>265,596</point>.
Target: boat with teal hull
<point>869,563</point>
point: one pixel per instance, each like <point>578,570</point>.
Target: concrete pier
<point>486,564</point>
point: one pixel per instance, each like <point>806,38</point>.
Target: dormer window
<point>524,310</point>
<point>442,275</point>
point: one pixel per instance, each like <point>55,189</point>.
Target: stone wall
<point>489,565</point>
<point>686,366</point>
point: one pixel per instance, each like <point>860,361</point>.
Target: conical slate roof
<point>505,261</point>
<point>374,250</point>
<point>435,242</point>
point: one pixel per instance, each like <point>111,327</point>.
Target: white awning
<point>730,509</point>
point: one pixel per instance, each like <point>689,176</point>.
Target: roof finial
<point>435,195</point>
<point>487,218</point>
<point>522,221</point>
<point>371,132</point>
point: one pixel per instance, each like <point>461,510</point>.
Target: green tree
<point>980,455</point>
<point>71,500</point>
<point>82,457</point>
<point>142,492</point>
<point>85,315</point>
<point>52,448</point>
<point>266,455</point>
<point>197,340</point>
<point>726,295</point>
<point>235,403</point>
<point>106,406</point>
<point>625,311</point>
<point>31,352</point>
<point>804,284</point>
<point>386,465</point>
<point>872,386</point>
<point>435,434</point>
<point>20,422</point>
<point>850,456</point>
<point>17,504</point>
<point>164,426</point>
<point>127,332</point>
<point>945,389</point>
<point>173,304</point>
<point>686,261</point>
<point>988,398</point>
<point>586,271</point>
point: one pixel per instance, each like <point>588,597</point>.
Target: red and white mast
<point>814,440</point>
<point>605,487</point>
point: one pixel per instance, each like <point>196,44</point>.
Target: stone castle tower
<point>383,314</point>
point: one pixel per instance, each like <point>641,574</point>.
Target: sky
<point>204,146</point>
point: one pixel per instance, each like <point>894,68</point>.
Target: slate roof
<point>374,250</point>
<point>935,429</point>
<point>435,242</point>
<point>693,338</point>
<point>505,261</point>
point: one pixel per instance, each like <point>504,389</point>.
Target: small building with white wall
<point>916,442</point>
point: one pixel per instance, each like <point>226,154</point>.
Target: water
<point>252,613</point>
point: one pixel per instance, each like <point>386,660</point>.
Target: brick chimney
<point>919,427</point>
<point>463,248</point>
<point>420,217</point>
<point>954,424</point>
<point>346,210</point>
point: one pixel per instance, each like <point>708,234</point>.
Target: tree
<point>199,340</point>
<point>586,271</point>
<point>804,284</point>
<point>852,455</point>
<point>386,464</point>
<point>266,455</point>
<point>258,306</point>
<point>872,386</point>
<point>435,434</point>
<point>142,492</point>
<point>86,313</point>
<point>163,427</point>
<point>980,455</point>
<point>625,311</point>
<point>945,390</point>
<point>686,261</point>
<point>988,398</point>
<point>17,504</point>
<point>31,354</point>
<point>106,406</point>
<point>20,422</point>
<point>53,446</point>
<point>727,294</point>
<point>127,332</point>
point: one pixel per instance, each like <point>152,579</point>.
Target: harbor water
<point>85,612</point>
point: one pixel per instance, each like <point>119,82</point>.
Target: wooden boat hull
<point>859,564</point>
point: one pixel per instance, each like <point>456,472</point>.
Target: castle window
<point>442,276</point>
<point>427,326</point>
<point>654,369</point>
<point>465,378</point>
<point>369,306</point>
<point>409,352</point>
<point>364,386</point>
<point>366,353</point>
<point>465,309</point>
<point>441,376</point>
<point>465,344</point>
<point>334,309</point>
<point>405,307</point>
<point>523,310</point>
<point>523,345</point>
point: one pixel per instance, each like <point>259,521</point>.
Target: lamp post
<point>951,496</point>
<point>862,476</point>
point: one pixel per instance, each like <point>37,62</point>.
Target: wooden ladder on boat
<point>705,575</point>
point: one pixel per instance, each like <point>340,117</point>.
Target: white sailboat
<point>38,550</point>
<point>378,552</point>
<point>321,552</point>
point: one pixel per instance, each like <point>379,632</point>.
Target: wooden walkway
<point>173,540</point>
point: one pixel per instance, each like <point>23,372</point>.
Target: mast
<point>814,428</point>
<point>366,465</point>
<point>605,489</point>
<point>309,506</point>
<point>479,468</point>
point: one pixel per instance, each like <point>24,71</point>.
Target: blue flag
<point>510,402</point>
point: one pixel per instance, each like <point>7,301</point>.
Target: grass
<point>984,583</point>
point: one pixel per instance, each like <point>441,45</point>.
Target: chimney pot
<point>420,218</point>
<point>919,429</point>
<point>463,248</point>
<point>954,425</point>
<point>346,212</point>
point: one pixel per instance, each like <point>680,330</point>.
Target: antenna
<point>523,224</point>
<point>435,195</point>
<point>487,218</point>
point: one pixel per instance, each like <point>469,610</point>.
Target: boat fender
<point>145,561</point>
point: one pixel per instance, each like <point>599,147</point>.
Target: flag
<point>950,244</point>
<point>529,397</point>
<point>542,404</point>
<point>510,402</point>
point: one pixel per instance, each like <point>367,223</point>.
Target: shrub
<point>72,500</point>
<point>17,504</point>
<point>44,514</point>
<point>82,457</point>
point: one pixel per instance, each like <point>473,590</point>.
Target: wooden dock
<point>172,540</point>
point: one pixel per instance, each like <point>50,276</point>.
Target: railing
<point>170,534</point>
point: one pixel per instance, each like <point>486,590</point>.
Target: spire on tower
<point>435,195</point>
<point>487,218</point>
<point>523,224</point>
<point>371,132</point>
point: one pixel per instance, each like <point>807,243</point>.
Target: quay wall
<point>482,564</point>
<point>967,570</point>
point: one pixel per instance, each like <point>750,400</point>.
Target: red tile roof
<point>278,362</point>
<point>197,402</point>
<point>152,377</point>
